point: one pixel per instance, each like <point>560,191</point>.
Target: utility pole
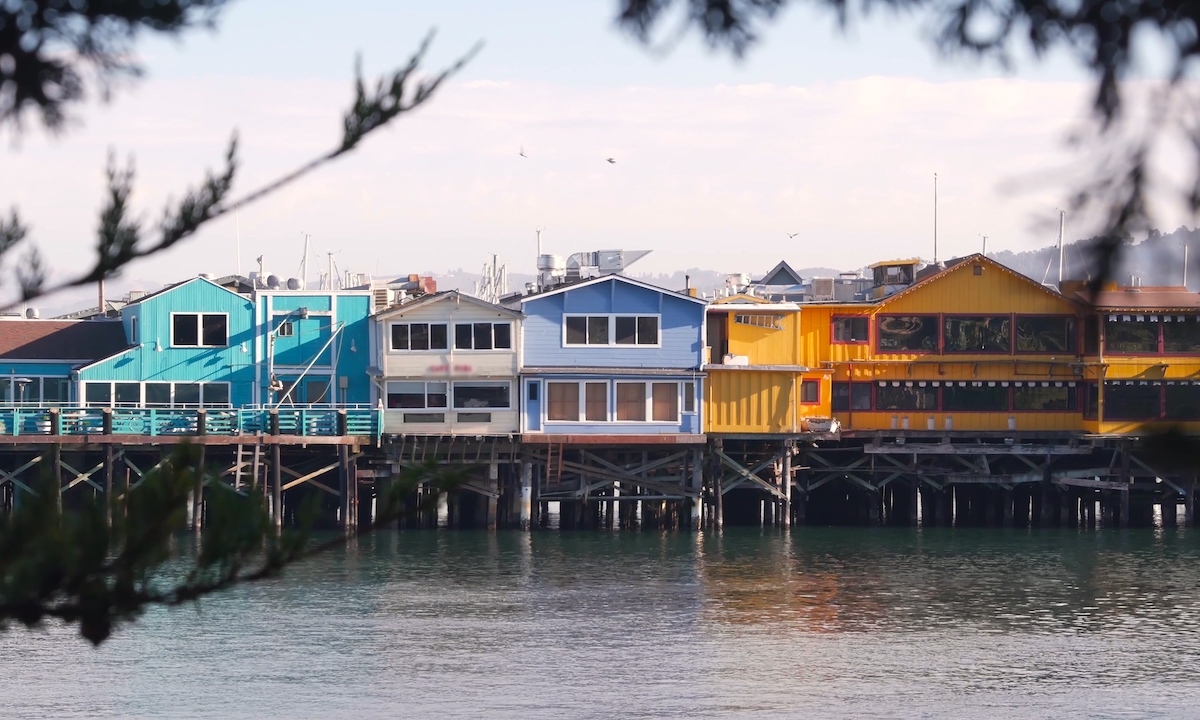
<point>935,247</point>
<point>985,237</point>
<point>1062,224</point>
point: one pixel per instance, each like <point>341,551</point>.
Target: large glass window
<point>665,401</point>
<point>852,396</point>
<point>481,395</point>
<point>128,394</point>
<point>595,401</point>
<point>908,333</point>
<point>611,330</point>
<point>810,391</point>
<point>978,334</point>
<point>217,394</point>
<point>199,330</point>
<point>97,393</point>
<point>973,397</point>
<point>1181,334</point>
<point>562,401</point>
<point>419,336</point>
<point>906,397</point>
<point>851,329</point>
<point>1129,336</point>
<point>55,390</point>
<point>1046,334</point>
<point>631,401</point>
<point>1183,402</point>
<point>416,394</point>
<point>1045,398</point>
<point>483,336</point>
<point>1131,402</point>
<point>189,394</point>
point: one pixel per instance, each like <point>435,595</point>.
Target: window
<point>611,330</point>
<point>97,393</point>
<point>631,402</point>
<point>1183,401</point>
<point>810,391</point>
<point>910,396</point>
<point>127,394</point>
<point>483,336</point>
<point>1129,336</point>
<point>1091,335</point>
<point>771,322</point>
<point>419,336</point>
<point>199,330</point>
<point>133,330</point>
<point>158,394</point>
<point>533,391</point>
<point>689,397</point>
<point>416,395</point>
<point>1046,397</point>
<point>595,401</point>
<point>665,401</point>
<point>481,395</point>
<point>975,397</point>
<point>1046,334</point>
<point>853,396</point>
<point>980,334</point>
<point>286,329</point>
<point>1124,401</point>
<point>1091,400</point>
<point>189,394</point>
<point>216,394</point>
<point>851,329</point>
<point>317,391</point>
<point>55,390</point>
<point>908,333</point>
<point>1181,334</point>
<point>562,401</point>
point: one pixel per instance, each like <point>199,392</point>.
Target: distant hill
<point>1157,260</point>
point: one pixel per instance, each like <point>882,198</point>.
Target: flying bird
<point>522,153</point>
<point>792,235</point>
<point>612,161</point>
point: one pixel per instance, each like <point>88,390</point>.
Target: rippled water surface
<point>821,623</point>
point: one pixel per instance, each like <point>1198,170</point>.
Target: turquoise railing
<point>156,422</point>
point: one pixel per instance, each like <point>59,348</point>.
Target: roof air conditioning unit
<point>822,289</point>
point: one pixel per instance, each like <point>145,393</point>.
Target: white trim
<point>425,392</point>
<point>649,400</point>
<point>612,330</point>
<point>512,338</point>
<point>606,278</point>
<point>582,383</point>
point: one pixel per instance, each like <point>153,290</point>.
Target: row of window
<point>1141,400</point>
<point>436,336</point>
<point>417,395</point>
<point>35,390</point>
<point>990,334</point>
<point>977,396</point>
<point>610,330</point>
<point>634,401</point>
<point>199,330</point>
<point>156,394</point>
<point>1152,335</point>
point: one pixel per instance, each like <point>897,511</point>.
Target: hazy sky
<point>832,136</point>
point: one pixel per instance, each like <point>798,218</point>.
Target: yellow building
<point>974,347</point>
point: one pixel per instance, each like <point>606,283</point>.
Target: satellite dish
<point>294,284</point>
<point>273,282</point>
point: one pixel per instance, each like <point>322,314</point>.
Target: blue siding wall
<point>146,363</point>
<point>354,347</point>
<point>680,330</point>
<point>307,341</point>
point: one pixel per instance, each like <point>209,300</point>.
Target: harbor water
<point>818,622</point>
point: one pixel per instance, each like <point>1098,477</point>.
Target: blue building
<point>611,356</point>
<point>204,343</point>
<point>38,357</point>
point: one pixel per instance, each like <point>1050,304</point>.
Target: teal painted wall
<point>186,364</point>
<point>354,347</point>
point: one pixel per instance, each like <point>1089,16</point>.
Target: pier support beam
<point>526,491</point>
<point>697,485</point>
<point>785,484</point>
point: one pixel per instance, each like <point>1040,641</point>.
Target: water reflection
<point>818,623</point>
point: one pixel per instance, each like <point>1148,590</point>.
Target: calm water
<point>824,623</point>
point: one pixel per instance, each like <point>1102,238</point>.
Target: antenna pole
<point>1062,222</point>
<point>237,224</point>
<point>985,237</point>
<point>1185,249</point>
<point>304,262</point>
<point>935,247</point>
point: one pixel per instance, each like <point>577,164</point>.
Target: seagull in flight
<point>522,153</point>
<point>792,235</point>
<point>612,161</point>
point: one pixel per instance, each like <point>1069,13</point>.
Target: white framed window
<point>156,394</point>
<point>689,397</point>
<point>647,401</point>
<point>199,329</point>
<point>286,329</point>
<point>610,330</point>
<point>483,336</point>
<point>418,337</point>
<point>578,401</point>
<point>416,395</point>
<point>37,391</point>
<point>480,394</point>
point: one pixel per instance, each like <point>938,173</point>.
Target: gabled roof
<point>781,274</point>
<point>970,261</point>
<point>741,299</point>
<point>180,284</point>
<point>445,295</point>
<point>71,340</point>
<point>605,278</point>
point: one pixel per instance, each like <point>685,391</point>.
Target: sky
<point>833,136</point>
